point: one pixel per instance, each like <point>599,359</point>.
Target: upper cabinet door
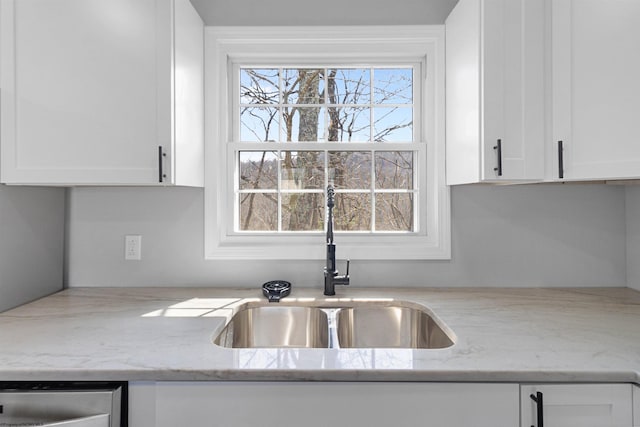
<point>88,91</point>
<point>595,89</point>
<point>495,91</point>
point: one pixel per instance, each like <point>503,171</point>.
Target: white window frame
<point>226,45</point>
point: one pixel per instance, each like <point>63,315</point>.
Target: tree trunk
<point>302,209</point>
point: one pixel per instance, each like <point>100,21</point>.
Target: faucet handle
<point>348,262</point>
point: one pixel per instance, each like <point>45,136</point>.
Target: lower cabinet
<point>584,405</point>
<point>310,404</point>
<point>142,404</point>
<point>636,406</point>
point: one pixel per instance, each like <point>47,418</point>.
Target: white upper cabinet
<point>495,91</point>
<point>99,92</point>
<point>595,89</point>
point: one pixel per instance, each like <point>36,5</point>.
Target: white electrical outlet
<point>133,247</point>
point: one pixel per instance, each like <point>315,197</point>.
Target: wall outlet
<point>133,247</point>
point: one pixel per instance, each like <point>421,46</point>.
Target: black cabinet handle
<point>560,160</point>
<point>498,147</point>
<point>539,408</point>
<point>161,174</point>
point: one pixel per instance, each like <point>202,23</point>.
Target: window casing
<point>230,52</point>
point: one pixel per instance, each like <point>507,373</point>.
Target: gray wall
<point>327,12</point>
<point>633,236</point>
<point>537,235</point>
<point>31,243</point>
<point>32,224</point>
<point>547,235</point>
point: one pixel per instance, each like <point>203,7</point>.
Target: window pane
<point>393,124</point>
<point>302,170</point>
<point>258,170</point>
<point>349,86</point>
<point>303,86</point>
<point>303,124</point>
<point>350,169</point>
<point>349,124</point>
<point>259,124</point>
<point>288,105</point>
<point>394,212</point>
<point>394,170</point>
<point>259,86</point>
<point>258,212</point>
<point>302,212</point>
<point>352,212</point>
<point>393,85</point>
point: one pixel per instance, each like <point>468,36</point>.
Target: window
<point>291,110</point>
<point>368,112</point>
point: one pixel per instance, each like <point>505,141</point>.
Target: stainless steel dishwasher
<point>63,404</point>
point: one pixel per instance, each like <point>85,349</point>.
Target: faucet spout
<point>331,275</point>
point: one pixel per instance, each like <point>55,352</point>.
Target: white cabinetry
<point>92,90</point>
<point>283,404</point>
<point>312,404</point>
<point>495,91</point>
<point>142,404</point>
<point>585,405</point>
<point>595,89</point>
<point>636,406</point>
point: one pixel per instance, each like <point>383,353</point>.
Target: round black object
<point>276,289</point>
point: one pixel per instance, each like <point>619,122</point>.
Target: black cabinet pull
<point>560,160</point>
<point>161,174</point>
<point>498,147</point>
<point>539,408</point>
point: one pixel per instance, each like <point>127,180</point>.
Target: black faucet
<point>331,278</point>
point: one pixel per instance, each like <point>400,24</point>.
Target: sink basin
<point>389,327</point>
<point>276,327</point>
<point>355,325</point>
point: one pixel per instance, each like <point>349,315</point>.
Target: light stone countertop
<point>155,334</point>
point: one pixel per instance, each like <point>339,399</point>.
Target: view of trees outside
<point>283,190</point>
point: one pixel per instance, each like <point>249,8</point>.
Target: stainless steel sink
<point>356,325</point>
<point>389,327</point>
<point>276,327</point>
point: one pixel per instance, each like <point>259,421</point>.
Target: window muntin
<point>367,110</point>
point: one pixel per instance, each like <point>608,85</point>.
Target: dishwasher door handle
<point>101,420</point>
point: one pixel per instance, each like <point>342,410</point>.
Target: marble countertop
<point>155,334</point>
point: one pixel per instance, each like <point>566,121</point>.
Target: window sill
<point>314,248</point>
